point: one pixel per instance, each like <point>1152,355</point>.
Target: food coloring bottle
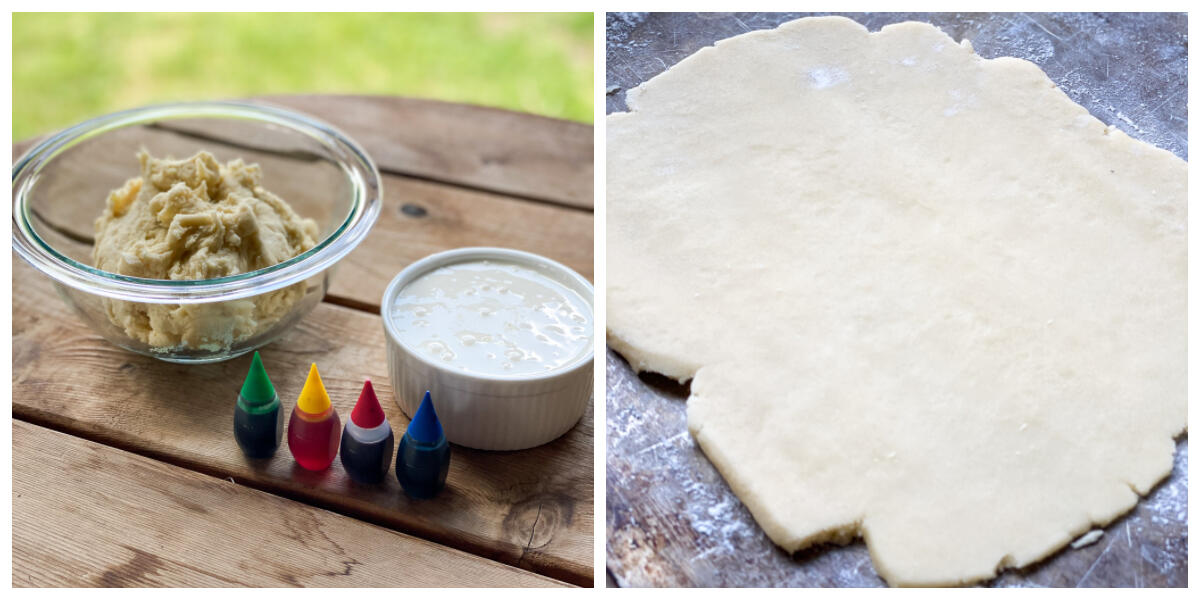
<point>367,442</point>
<point>314,429</point>
<point>424,456</point>
<point>258,417</point>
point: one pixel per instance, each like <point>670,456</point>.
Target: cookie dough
<point>923,298</point>
<point>196,219</point>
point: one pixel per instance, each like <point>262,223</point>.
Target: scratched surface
<point>672,520</point>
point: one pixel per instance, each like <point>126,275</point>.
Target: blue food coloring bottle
<point>424,456</point>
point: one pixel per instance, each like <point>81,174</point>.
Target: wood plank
<point>420,218</point>
<point>532,509</point>
<point>672,521</point>
<point>86,514</point>
<point>417,218</point>
<point>490,149</point>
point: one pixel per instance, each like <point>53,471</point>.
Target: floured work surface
<point>920,303</point>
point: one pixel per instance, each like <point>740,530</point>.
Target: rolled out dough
<point>923,297</point>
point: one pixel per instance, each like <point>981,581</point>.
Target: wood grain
<point>420,218</point>
<point>85,514</point>
<point>453,176</point>
<point>516,154</point>
<point>417,218</point>
<point>531,509</point>
<point>520,155</point>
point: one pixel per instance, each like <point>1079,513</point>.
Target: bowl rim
<point>446,257</point>
<point>354,162</point>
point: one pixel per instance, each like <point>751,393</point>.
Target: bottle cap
<point>425,427</point>
<point>257,389</point>
<point>367,412</point>
<point>314,400</point>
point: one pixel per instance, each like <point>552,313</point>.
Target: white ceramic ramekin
<point>481,411</point>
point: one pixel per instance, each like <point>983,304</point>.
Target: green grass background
<point>70,67</point>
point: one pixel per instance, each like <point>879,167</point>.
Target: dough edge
<point>643,357</point>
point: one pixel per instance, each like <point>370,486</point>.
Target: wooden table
<point>671,518</point>
<point>117,483</point>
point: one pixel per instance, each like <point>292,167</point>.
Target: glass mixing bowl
<point>60,187</point>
